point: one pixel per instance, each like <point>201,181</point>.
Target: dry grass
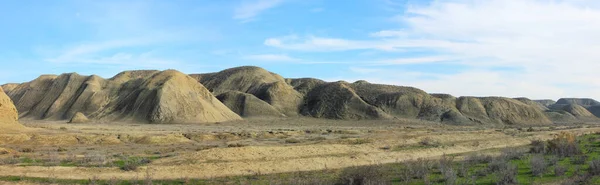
<point>247,147</point>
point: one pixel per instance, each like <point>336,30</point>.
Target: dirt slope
<point>8,114</point>
<point>578,111</point>
<point>151,96</point>
<point>259,82</point>
<point>248,105</point>
<point>337,100</point>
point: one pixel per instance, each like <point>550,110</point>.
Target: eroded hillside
<point>173,97</point>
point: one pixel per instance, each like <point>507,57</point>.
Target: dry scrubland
<point>247,121</point>
<point>58,150</point>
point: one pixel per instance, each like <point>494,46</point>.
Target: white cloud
<point>271,57</point>
<point>554,44</point>
<point>248,10</point>
<point>317,10</point>
<point>389,33</point>
<point>323,44</point>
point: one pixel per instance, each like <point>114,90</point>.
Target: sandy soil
<point>262,145</point>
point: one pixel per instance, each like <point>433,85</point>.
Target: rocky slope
<point>172,97</point>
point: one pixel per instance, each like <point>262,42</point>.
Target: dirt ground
<point>253,146</point>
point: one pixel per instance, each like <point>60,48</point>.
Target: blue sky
<point>514,48</point>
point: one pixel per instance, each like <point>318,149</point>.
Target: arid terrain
<point>248,121</point>
<point>254,146</point>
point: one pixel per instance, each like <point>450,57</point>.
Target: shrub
<point>578,159</point>
<point>27,150</point>
<point>445,163</point>
<point>362,175</point>
<point>496,165</point>
<point>538,165</point>
<point>449,176</point>
<point>360,141</point>
<point>292,140</point>
<point>507,175</point>
<point>428,142</point>
<point>594,168</point>
<point>416,169</point>
<point>512,154</point>
<point>132,164</point>
<point>233,145</point>
<point>564,145</point>
<point>478,158</point>
<point>463,169</point>
<point>553,160</point>
<point>559,171</point>
<point>537,146</point>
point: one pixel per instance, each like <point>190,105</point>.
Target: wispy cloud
<point>550,41</point>
<point>317,10</point>
<point>271,58</point>
<point>324,44</point>
<point>248,10</point>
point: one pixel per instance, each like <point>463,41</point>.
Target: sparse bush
<point>428,142</point>
<point>559,171</point>
<point>553,160</point>
<point>449,176</point>
<point>27,150</point>
<point>507,175</point>
<point>416,169</point>
<point>537,146</point>
<point>292,140</point>
<point>61,149</point>
<point>496,165</point>
<point>445,162</point>
<point>594,168</point>
<point>463,169</point>
<point>63,128</point>
<point>578,159</point>
<point>362,175</point>
<point>359,141</point>
<point>512,154</point>
<point>564,145</point>
<point>530,129</point>
<point>233,145</point>
<point>478,158</point>
<point>538,165</point>
<point>131,164</point>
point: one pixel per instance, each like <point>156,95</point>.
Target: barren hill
<point>152,96</point>
<point>248,91</point>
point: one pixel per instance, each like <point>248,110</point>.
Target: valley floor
<point>255,146</point>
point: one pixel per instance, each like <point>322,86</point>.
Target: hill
<point>149,96</point>
<point>248,91</point>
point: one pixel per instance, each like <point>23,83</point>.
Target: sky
<point>541,49</point>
